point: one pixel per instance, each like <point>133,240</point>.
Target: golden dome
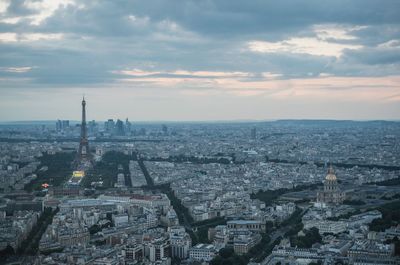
<point>331,175</point>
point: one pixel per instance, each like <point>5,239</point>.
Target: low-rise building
<point>243,243</point>
<point>202,252</point>
<point>180,242</point>
<point>252,225</point>
<point>369,249</point>
<point>326,226</point>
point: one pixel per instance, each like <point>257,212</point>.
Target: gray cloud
<point>104,36</point>
<point>99,38</point>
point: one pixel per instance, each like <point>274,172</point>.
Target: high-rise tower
<point>83,156</point>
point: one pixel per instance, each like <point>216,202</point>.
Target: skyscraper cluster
<point>62,125</point>
<point>118,128</point>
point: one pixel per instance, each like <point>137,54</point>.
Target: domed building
<point>331,193</point>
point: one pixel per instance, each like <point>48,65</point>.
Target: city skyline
<point>200,61</point>
<point>219,193</point>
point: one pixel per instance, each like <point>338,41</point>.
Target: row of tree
<point>389,182</point>
<point>338,164</point>
<point>310,237</point>
<point>193,159</point>
<point>58,170</point>
<point>106,170</point>
<point>269,196</point>
<point>30,245</point>
<point>390,217</point>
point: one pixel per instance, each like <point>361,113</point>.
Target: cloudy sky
<point>200,60</point>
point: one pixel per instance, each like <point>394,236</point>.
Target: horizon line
<point>3,122</point>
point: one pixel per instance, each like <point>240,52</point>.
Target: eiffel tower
<point>83,157</point>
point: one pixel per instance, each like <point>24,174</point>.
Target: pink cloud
<point>323,87</point>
